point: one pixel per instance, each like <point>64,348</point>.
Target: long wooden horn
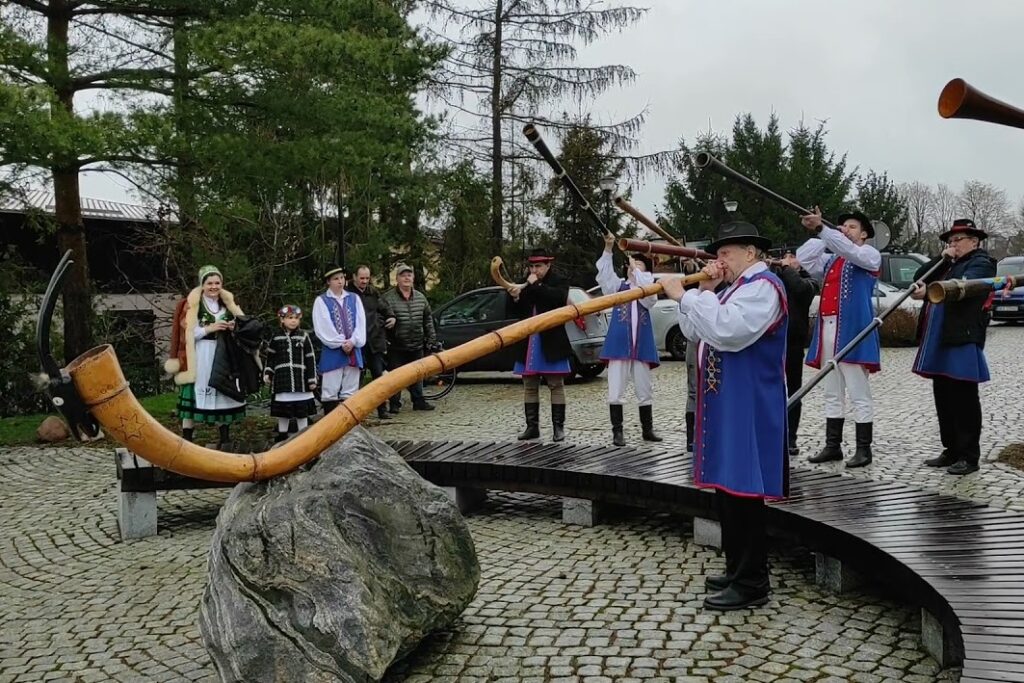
<point>99,381</point>
<point>649,223</point>
<point>960,100</point>
<point>499,279</point>
<point>643,246</point>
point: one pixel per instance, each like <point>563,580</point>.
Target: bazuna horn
<point>960,100</point>
<point>943,291</point>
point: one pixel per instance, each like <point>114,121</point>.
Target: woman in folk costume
<point>291,372</point>
<point>629,348</point>
<point>339,321</point>
<point>740,448</point>
<point>547,353</point>
<point>207,311</point>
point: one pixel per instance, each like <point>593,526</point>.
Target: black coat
<point>548,294</point>
<point>377,311</point>
<point>291,362</point>
<point>965,321</point>
<point>801,289</point>
<point>236,368</point>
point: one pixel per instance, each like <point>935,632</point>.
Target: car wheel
<point>676,344</point>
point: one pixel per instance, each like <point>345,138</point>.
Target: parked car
<point>483,310</point>
<point>898,269</point>
<point>1011,307</point>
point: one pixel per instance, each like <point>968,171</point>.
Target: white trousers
<point>340,384</point>
<point>621,373</point>
<point>846,378</point>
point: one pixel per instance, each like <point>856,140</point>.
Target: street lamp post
<point>608,185</point>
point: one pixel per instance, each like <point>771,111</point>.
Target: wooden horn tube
<point>99,381</point>
<point>961,100</point>
<point>498,278</point>
<point>646,247</point>
<point>644,220</point>
<point>943,291</point>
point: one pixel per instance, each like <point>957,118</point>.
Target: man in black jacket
<point>547,353</point>
<point>951,339</point>
<point>379,319</point>
<point>412,333</point>
<point>801,289</point>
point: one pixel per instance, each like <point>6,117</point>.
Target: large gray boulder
<point>334,571</point>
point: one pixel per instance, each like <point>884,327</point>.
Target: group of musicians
<point>747,323</point>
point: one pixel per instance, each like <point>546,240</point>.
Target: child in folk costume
<point>740,444</point>
<point>291,371</point>
<point>629,348</point>
<point>207,311</point>
<point>339,321</point>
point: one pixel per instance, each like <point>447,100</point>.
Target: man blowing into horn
<point>629,348</point>
<point>740,443</point>
<point>848,276</point>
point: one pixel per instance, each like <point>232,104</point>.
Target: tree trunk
<point>496,150</point>
<point>67,197</point>
<point>185,186</point>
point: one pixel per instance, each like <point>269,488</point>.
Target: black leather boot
<point>187,433</point>
<point>280,436</point>
<point>532,431</point>
<point>833,442</point>
<point>862,456</point>
<point>615,411</point>
<point>328,406</point>
<point>558,422</point>
<point>690,419</point>
<point>944,459</point>
<point>647,423</point>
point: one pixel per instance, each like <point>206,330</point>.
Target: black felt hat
<point>540,255</point>
<point>862,218</point>
<point>964,226</point>
<point>739,232</point>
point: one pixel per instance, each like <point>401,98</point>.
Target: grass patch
<point>21,430</point>
<point>1012,455</point>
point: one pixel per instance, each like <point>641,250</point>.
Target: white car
<point>884,297</point>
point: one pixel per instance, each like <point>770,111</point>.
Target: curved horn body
<point>960,100</point>
<point>957,290</point>
<point>650,224</point>
<point>646,247</point>
<point>98,379</point>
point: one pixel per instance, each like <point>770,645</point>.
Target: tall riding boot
<point>328,406</point>
<point>615,411</point>
<point>862,456</point>
<point>280,436</point>
<point>532,420</point>
<point>690,419</point>
<point>187,433</point>
<point>225,437</point>
<point>647,423</point>
<point>833,442</point>
<point>558,422</point>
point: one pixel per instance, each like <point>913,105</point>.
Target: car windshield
<point>1010,268</point>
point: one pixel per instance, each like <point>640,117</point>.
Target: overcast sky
<point>873,69</point>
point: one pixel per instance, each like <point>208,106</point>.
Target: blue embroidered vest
<point>856,287</point>
<point>741,445</point>
<point>619,343</point>
<point>343,315</point>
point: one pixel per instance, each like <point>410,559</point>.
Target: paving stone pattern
<point>619,602</point>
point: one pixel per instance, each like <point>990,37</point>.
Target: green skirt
<point>187,409</point>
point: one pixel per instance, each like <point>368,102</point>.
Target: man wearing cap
<point>339,322</point>
<point>740,442</point>
<point>412,333</point>
<point>379,319</point>
<point>951,338</point>
<point>848,272</point>
<point>629,348</point>
<point>547,353</point>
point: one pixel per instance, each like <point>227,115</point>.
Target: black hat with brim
<point>964,226</point>
<point>739,232</point>
<point>864,221</point>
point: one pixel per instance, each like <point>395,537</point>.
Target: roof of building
<point>43,200</point>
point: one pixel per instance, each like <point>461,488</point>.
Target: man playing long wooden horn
<point>629,348</point>
<point>740,442</point>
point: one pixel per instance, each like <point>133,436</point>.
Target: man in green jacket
<point>412,332</point>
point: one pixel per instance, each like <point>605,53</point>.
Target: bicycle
<point>440,385</point>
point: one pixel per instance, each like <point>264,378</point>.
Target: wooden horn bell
<point>960,100</point>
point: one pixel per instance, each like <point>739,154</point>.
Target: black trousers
<point>745,542</point>
<point>959,410</point>
<point>794,378</point>
<point>396,359</point>
<point>374,362</point>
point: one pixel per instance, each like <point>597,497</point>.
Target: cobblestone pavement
<point>618,602</point>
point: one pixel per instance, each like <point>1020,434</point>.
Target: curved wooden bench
<point>961,561</point>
